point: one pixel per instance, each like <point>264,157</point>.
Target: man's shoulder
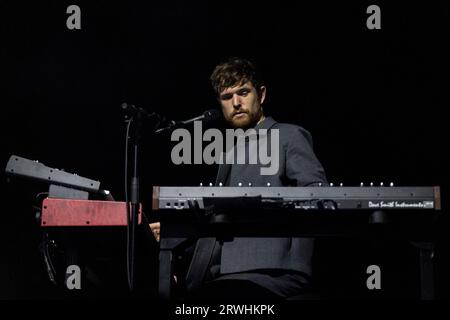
<point>291,130</point>
<point>289,126</point>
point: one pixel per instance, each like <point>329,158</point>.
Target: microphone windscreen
<point>212,114</point>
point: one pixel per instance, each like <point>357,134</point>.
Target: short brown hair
<point>235,71</point>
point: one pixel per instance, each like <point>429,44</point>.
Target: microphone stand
<point>134,194</point>
<point>136,116</point>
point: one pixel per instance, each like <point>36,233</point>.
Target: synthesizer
<point>303,198</point>
<point>189,213</point>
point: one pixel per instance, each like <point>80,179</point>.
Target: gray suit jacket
<point>298,166</point>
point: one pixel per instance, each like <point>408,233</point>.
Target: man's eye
<point>243,92</point>
<point>226,97</point>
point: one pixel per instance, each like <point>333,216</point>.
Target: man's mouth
<point>239,114</point>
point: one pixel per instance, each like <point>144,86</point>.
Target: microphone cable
<point>130,237</point>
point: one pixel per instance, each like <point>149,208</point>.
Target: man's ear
<point>262,94</point>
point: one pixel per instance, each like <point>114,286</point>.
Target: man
<point>255,268</point>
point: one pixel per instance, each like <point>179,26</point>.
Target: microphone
<point>208,115</point>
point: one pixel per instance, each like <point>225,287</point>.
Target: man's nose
<point>236,101</point>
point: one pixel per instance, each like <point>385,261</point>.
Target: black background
<point>374,100</point>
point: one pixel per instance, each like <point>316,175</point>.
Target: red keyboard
<point>84,213</point>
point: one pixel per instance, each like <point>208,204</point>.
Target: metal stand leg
<point>165,271</point>
<point>166,266</point>
<point>426,254</point>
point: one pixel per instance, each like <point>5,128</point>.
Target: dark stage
<point>375,102</point>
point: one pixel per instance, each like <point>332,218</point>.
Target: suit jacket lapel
<point>223,173</point>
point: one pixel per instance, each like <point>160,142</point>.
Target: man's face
<point>241,105</point>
